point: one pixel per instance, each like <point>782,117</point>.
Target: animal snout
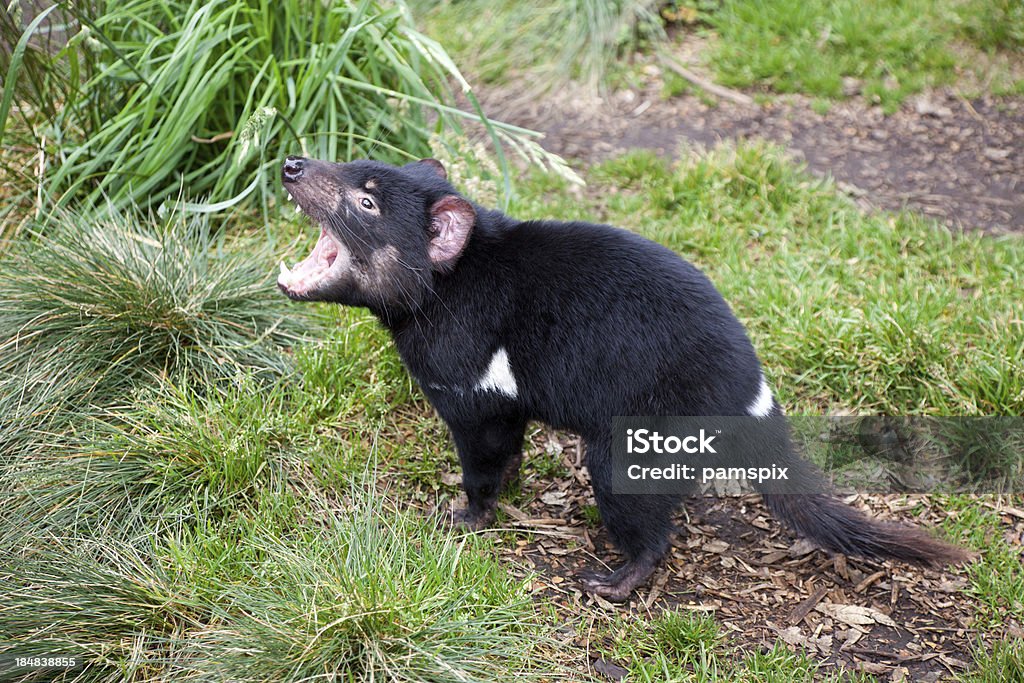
<point>292,169</point>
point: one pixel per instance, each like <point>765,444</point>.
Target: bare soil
<point>959,161</point>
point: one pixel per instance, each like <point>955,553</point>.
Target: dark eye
<point>366,203</point>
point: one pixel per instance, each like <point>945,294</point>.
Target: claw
<point>284,269</point>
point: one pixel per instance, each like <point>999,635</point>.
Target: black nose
<point>292,169</point>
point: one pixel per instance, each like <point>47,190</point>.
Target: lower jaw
<point>292,283</point>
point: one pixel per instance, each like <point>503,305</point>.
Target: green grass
<point>674,646</point>
<point>997,582</point>
<point>892,47</point>
<point>230,508</point>
<point>992,24</point>
<point>1004,663</point>
<point>690,647</point>
<point>895,47</point>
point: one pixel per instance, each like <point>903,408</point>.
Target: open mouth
<point>327,259</point>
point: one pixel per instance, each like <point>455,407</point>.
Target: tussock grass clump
<point>143,100</point>
<point>96,306</point>
<point>122,292</point>
<point>90,598</point>
<point>393,600</point>
<point>550,41</point>
<point>360,595</point>
<point>169,453</point>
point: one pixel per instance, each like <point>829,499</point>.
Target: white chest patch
<point>498,376</point>
<point>762,405</point>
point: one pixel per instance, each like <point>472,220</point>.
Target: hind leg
<point>490,451</point>
<point>639,526</point>
<point>510,476</point>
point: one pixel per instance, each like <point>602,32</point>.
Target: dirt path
<point>959,161</point>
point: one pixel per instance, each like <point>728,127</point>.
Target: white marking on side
<point>499,376</point>
<point>762,405</point>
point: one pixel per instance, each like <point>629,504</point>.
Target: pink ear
<point>451,220</point>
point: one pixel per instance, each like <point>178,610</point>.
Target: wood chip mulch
<point>762,584</point>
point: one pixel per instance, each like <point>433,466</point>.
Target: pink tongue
<point>322,256</point>
<point>313,262</point>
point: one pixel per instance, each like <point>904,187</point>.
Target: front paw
<point>472,520</point>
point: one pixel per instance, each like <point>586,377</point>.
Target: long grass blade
<point>14,68</point>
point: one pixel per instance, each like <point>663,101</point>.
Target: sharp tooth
<point>298,209</point>
<point>290,197</point>
<point>284,270</point>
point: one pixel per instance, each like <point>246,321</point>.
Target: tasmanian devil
<point>503,321</point>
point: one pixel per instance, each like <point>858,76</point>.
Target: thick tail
<point>840,528</point>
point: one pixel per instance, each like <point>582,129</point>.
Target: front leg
<point>490,451</point>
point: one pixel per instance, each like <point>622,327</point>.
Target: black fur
<point>595,321</point>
